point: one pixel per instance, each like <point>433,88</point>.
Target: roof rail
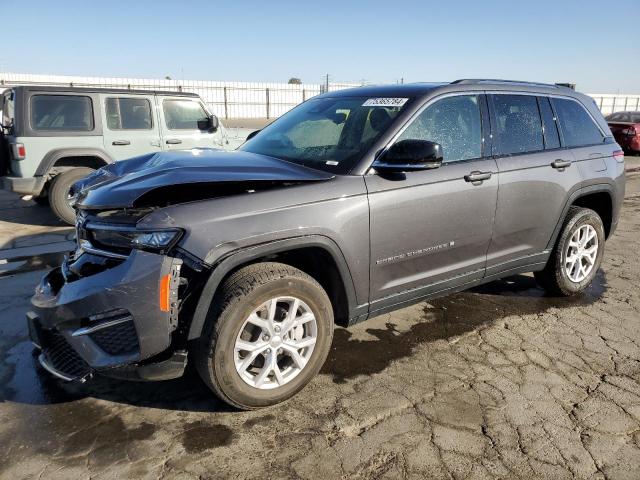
<point>496,80</point>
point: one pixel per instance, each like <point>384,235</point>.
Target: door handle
<point>121,142</point>
<point>560,164</point>
<point>173,141</point>
<point>477,177</point>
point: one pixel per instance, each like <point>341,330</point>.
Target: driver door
<point>430,229</point>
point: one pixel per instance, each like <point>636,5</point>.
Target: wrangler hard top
<point>54,136</point>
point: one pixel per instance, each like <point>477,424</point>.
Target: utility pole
<point>326,83</point>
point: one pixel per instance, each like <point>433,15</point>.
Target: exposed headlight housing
<point>123,240</point>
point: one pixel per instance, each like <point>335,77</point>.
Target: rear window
<point>183,114</point>
<point>6,107</point>
<point>61,113</point>
<point>578,128</point>
<point>129,114</point>
<point>518,125</point>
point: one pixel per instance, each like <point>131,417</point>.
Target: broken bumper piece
<point>112,321</point>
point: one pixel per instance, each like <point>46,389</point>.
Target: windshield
<point>330,134</point>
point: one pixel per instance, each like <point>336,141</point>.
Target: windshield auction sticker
<point>385,102</point>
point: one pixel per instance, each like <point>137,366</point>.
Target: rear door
<point>180,117</point>
<point>431,229</point>
<point>131,128</point>
<point>536,175</point>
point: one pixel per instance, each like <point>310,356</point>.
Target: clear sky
<point>593,44</point>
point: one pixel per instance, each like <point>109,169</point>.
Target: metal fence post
<point>267,92</point>
<point>226,107</point>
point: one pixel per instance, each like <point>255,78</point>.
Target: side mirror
<point>211,123</point>
<point>410,155</point>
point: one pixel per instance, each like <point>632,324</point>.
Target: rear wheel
<point>577,255</point>
<point>267,335</point>
<point>59,197</point>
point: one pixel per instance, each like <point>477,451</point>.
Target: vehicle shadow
<point>15,210</point>
<point>442,319</point>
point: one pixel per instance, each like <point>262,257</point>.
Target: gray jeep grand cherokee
<point>353,204</point>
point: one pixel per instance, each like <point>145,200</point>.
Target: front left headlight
<point>123,240</point>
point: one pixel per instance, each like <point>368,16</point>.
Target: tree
<point>295,81</point>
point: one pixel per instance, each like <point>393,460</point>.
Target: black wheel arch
<point>73,157</point>
<point>275,251</point>
<point>582,197</point>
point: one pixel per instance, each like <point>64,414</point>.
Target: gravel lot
<point>497,382</point>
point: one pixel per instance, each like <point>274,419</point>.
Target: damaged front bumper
<point>95,314</point>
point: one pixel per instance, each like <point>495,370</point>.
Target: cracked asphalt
<point>497,382</point>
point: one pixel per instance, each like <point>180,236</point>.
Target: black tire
<point>554,278</point>
<point>59,191</point>
<point>243,292</point>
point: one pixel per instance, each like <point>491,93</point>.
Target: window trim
<point>485,140</point>
<point>555,121</point>
<point>140,97</point>
<point>60,130</point>
<point>164,117</point>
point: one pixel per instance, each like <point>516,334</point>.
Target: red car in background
<point>625,127</point>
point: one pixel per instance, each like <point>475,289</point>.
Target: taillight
<point>618,155</point>
<point>19,152</point>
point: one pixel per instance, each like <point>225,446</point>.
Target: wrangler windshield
<point>329,134</point>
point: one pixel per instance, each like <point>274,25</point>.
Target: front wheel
<point>268,334</point>
<point>575,259</point>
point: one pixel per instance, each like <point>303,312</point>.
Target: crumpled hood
<point>120,184</point>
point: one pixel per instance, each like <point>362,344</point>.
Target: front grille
<point>61,356</point>
<point>119,339</point>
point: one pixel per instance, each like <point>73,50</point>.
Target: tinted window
<point>517,128</point>
<point>577,125</point>
<point>183,114</point>
<point>329,134</point>
<point>61,112</point>
<point>454,123</point>
<point>550,128</point>
<point>634,117</point>
<point>128,114</point>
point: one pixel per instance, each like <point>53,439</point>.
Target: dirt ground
<point>497,382</point>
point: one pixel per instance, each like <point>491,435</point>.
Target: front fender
<point>233,259</point>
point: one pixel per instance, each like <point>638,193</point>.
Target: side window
<point>183,114</point>
<point>128,114</point>
<point>61,113</point>
<point>454,123</point>
<point>518,128</point>
<point>549,126</point>
<point>577,125</point>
